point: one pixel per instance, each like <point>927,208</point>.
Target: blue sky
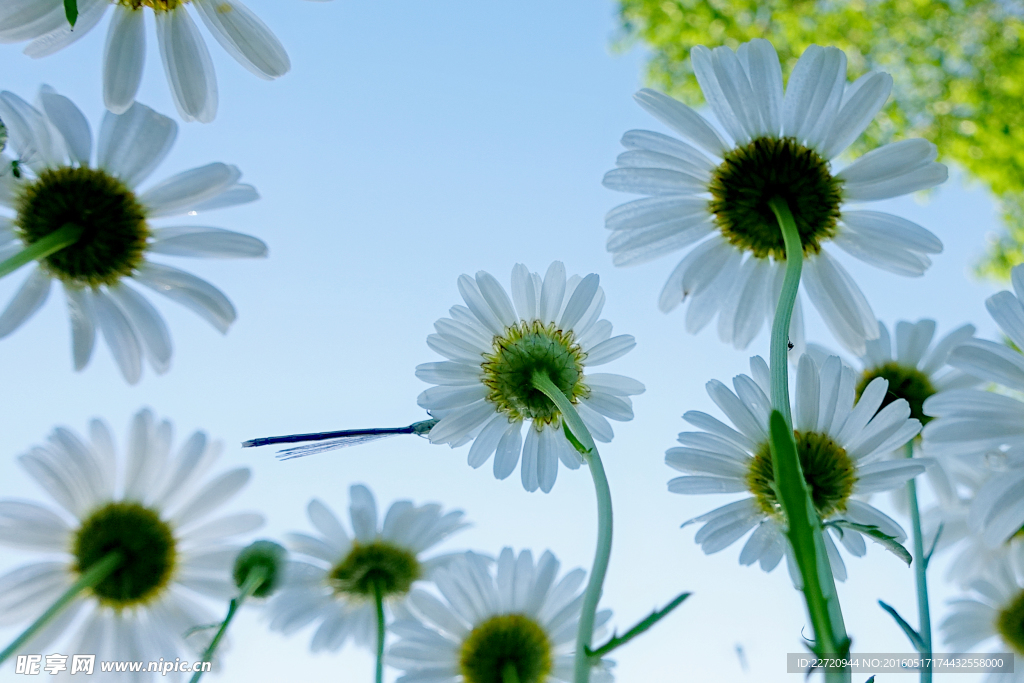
<point>412,143</point>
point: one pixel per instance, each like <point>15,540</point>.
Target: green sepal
<point>71,11</point>
<point>872,531</point>
<point>914,636</point>
<point>574,441</point>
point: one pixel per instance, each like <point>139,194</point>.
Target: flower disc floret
<point>503,641</point>
<point>905,382</point>
<point>771,168</point>
<point>527,348</point>
<point>1010,624</point>
<point>145,543</point>
<point>379,565</point>
<point>113,223</point>
<point>828,471</point>
<point>155,5</point>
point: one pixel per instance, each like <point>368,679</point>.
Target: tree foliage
<point>958,66</point>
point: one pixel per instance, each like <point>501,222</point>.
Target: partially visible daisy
<point>335,585</point>
<point>782,145</point>
<point>839,440</point>
<point>977,423</point>
<point>515,617</point>
<point>56,185</point>
<point>995,614</point>
<point>152,508</point>
<point>485,391</point>
<point>187,62</point>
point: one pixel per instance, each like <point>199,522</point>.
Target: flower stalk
<point>584,443</point>
<point>378,599</point>
<point>88,579</point>
<point>924,619</point>
<point>64,237</point>
<point>804,529</point>
<point>257,575</point>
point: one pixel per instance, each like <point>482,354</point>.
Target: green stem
<point>779,353</point>
<point>584,442</point>
<point>88,579</point>
<point>650,620</point>
<point>924,625</point>
<point>509,674</point>
<point>40,249</point>
<point>378,597</point>
<point>256,577</point>
<point>803,524</point>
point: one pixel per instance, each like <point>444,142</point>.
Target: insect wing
<point>330,445</point>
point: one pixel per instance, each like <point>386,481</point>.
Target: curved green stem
<point>378,597</point>
<point>584,442</point>
<point>924,625</point>
<point>88,579</point>
<point>779,353</point>
<point>803,524</point>
<point>256,577</point>
<point>40,249</point>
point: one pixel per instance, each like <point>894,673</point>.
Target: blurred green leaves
<point>958,68</point>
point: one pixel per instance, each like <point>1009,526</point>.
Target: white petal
<point>990,361</point>
<point>197,295</point>
<point>173,195</point>
<point>813,94</point>
<point>30,133</point>
<point>123,57</point>
<point>864,99</point>
<point>727,90</point>
<point>1007,311</point>
<point>245,37</point>
<point>528,471</point>
<point>610,349</point>
<point>71,124</point>
<point>654,181</point>
<point>205,242</point>
<point>886,475</point>
<point>762,66</point>
<point>547,459</point>
<point>211,496</point>
<point>693,159</point>
<point>29,299</point>
<point>840,302</point>
<point>887,229</point>
<point>187,65</point>
<point>523,294</point>
<point>27,19</point>
<point>134,143</point>
<point>232,196</point>
<point>681,119</point>
<point>509,448</point>
<point>363,512</point>
<point>149,327</point>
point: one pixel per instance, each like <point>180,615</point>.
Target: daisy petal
<point>134,143</point>
<point>187,65</point>
<point>205,242</point>
<point>245,37</point>
<point>123,57</point>
<point>30,298</point>
<point>197,295</point>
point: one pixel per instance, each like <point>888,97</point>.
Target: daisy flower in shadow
<point>152,508</point>
<point>974,423</point>
<point>994,613</point>
<point>715,192</point>
<point>515,616</point>
<point>494,346</point>
<point>187,62</point>
<point>840,442</point>
<point>336,585</point>
<point>57,187</point>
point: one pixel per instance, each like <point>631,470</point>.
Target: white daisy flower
<point>56,186</point>
<point>972,422</point>
<point>995,614</point>
<point>782,145</point>
<point>840,441</point>
<point>337,585</point>
<point>152,508</point>
<point>515,617</point>
<point>485,391</point>
<point>186,60</point>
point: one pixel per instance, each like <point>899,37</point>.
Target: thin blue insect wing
<point>330,445</point>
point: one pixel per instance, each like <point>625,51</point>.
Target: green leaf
<point>870,680</point>
<point>935,542</point>
<point>71,11</point>
<point>870,530</point>
<point>650,620</point>
<point>914,636</point>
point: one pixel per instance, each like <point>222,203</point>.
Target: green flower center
<point>265,555</point>
<point>507,640</point>
<point>828,471</point>
<point>1010,624</point>
<point>371,565</point>
<point>904,382</point>
<point>113,223</point>
<point>526,348</point>
<point>159,5</point>
<point>145,543</point>
<point>766,168</point>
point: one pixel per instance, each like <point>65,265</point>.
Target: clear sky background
<point>413,142</point>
